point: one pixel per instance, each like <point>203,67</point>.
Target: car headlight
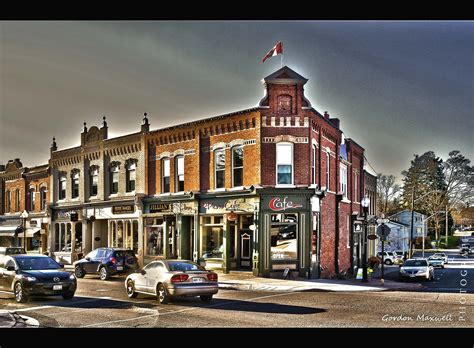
<point>402,270</point>
<point>72,277</point>
<point>31,279</point>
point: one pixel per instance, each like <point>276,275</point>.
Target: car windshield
<point>415,263</point>
<point>184,266</point>
<point>37,263</point>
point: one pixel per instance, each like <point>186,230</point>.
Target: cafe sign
<point>284,203</point>
<point>223,206</point>
<point>123,209</point>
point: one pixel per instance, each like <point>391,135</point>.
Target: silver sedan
<point>172,278</point>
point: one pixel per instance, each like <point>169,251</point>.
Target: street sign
<point>383,231</point>
<point>357,227</point>
<point>371,236</point>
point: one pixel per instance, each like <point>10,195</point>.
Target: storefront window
<point>155,240</point>
<point>120,234</point>
<point>135,236</point>
<point>284,236</point>
<point>128,235</point>
<point>213,242</point>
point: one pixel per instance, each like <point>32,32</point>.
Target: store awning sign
<point>123,209</point>
<point>279,204</point>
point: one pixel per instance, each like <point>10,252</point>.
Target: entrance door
<point>246,249</point>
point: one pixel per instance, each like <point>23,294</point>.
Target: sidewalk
<point>247,281</point>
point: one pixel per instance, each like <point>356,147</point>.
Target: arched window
<point>43,198</point>
<point>62,187</point>
<point>114,178</point>
<point>17,200</point>
<point>219,168</point>
<point>93,181</point>
<point>32,196</point>
<point>237,166</point>
<point>75,184</point>
<point>165,174</point>
<point>179,173</point>
<point>313,165</point>
<point>8,201</point>
<point>131,176</point>
<point>284,156</point>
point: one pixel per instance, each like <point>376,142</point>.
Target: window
<point>237,166</point>
<point>43,198</point>
<point>62,187</point>
<point>284,236</point>
<point>75,185</point>
<point>114,179</point>
<point>313,166</point>
<point>93,181</point>
<point>356,187</point>
<point>343,179</point>
<point>9,202</point>
<point>284,158</point>
<point>131,177</point>
<point>179,174</point>
<point>165,170</point>
<point>17,200</point>
<point>32,197</point>
<point>219,160</point>
<point>328,170</point>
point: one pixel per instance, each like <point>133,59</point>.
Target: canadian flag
<point>277,49</point>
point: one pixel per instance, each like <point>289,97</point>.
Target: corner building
<point>267,189</point>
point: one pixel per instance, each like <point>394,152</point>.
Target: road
<point>99,304</point>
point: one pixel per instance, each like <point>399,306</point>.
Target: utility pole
<point>446,226</point>
<point>410,253</point>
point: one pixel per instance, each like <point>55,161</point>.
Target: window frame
<point>163,161</point>
<point>328,170</point>
<point>74,177</point>
<point>131,167</point>
<point>32,197</point>
<point>177,174</point>
<point>43,200</point>
<point>17,200</point>
<point>216,152</point>
<point>343,186</point>
<point>113,170</point>
<point>8,200</point>
<point>237,168</point>
<point>313,164</point>
<point>291,145</point>
<point>94,173</point>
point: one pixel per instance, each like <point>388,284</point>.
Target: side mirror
<point>143,272</point>
<point>10,268</point>
<point>61,265</point>
<point>88,258</point>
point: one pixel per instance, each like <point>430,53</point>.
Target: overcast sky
<point>399,88</point>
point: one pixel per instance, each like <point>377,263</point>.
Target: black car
<point>35,275</point>
<point>106,262</point>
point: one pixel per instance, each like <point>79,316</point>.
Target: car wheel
<point>68,296</point>
<point>131,293</point>
<point>79,272</point>
<point>20,296</point>
<point>388,262</point>
<point>206,298</point>
<point>162,295</point>
<point>104,273</point>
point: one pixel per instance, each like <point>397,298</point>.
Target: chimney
<point>84,129</point>
<point>53,145</point>
<point>326,115</point>
<point>104,129</point>
<point>145,124</point>
<point>335,122</point>
<point>2,167</point>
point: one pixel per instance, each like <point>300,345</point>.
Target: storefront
<point>286,230</point>
<point>66,238</point>
<point>115,226</point>
<point>226,232</point>
<point>169,229</point>
<point>8,227</point>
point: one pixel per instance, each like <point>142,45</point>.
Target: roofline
<point>213,118</point>
<point>355,143</point>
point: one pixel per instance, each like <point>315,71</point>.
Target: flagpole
<point>281,61</point>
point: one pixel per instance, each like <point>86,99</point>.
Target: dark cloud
<point>399,88</point>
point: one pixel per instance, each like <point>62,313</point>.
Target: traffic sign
<point>383,231</point>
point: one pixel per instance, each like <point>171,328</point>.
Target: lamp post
<point>365,205</point>
<point>24,216</point>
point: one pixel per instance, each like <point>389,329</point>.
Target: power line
<point>370,165</point>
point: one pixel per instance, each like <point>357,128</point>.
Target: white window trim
<point>163,160</point>
<point>343,168</point>
<point>177,172</point>
<point>292,165</point>
<point>314,151</point>
<point>220,149</point>
<point>232,174</point>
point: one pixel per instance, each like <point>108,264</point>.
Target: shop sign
<point>232,216</point>
<point>278,204</point>
<point>221,206</point>
<point>160,208</point>
<point>66,214</point>
<point>123,209</point>
<point>33,223</point>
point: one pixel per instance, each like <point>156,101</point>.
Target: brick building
<point>95,192</point>
<point>24,189</point>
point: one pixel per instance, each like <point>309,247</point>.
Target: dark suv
<point>106,262</point>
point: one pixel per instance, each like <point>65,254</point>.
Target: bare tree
<point>387,191</point>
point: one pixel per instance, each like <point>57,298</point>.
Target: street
<point>99,304</point>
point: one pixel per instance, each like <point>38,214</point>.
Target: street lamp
<point>365,205</point>
<point>24,216</point>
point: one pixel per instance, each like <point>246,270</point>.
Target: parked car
<point>465,248</point>
<point>442,255</point>
<point>399,253</point>
<point>35,275</point>
<point>11,251</point>
<point>167,279</point>
<point>436,261</point>
<point>388,258</point>
<point>106,262</point>
<point>416,268</point>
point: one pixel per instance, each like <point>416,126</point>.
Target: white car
<point>389,258</point>
<point>416,268</point>
<point>442,256</point>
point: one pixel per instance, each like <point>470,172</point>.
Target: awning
<point>30,231</point>
<point>7,231</point>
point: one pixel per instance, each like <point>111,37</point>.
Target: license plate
<point>57,287</point>
<point>119,268</point>
<point>412,275</point>
<point>197,280</point>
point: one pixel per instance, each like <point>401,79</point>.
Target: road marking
<point>183,310</point>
